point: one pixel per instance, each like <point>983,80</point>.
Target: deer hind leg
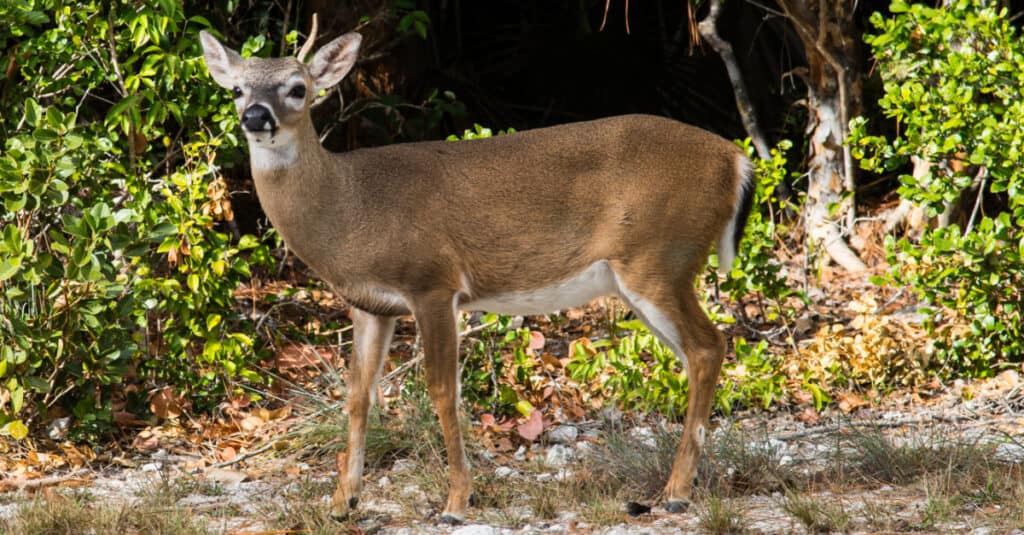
<point>679,323</point>
<point>371,340</point>
<point>435,318</point>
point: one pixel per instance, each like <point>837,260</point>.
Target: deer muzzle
<point>257,118</point>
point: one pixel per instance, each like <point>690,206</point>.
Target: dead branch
<point>708,29</point>
<point>26,484</point>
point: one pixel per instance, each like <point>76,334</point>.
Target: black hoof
<point>473,500</point>
<point>677,506</point>
<point>636,509</point>
<point>450,519</point>
<point>342,517</point>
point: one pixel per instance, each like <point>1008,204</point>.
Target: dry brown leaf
<point>536,341</point>
<point>165,403</point>
<point>227,453</point>
<point>532,427</point>
<point>251,423</point>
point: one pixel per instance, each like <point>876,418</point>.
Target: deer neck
<point>294,175</point>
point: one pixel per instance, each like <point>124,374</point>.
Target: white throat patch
<point>271,152</point>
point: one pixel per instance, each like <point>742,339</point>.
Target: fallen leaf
<point>536,340</point>
<point>250,423</point>
<point>228,477</point>
<point>850,402</point>
<point>165,403</point>
<point>226,454</point>
<point>146,442</point>
<point>532,428</point>
<point>808,416</point>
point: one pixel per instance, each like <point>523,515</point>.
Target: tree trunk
<point>830,41</point>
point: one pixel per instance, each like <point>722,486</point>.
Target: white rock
<point>58,429</point>
<point>384,481</point>
<point>504,471</point>
<point>413,492</point>
<point>1010,452</point>
<point>477,529</point>
<point>644,436</point>
<point>558,455</point>
<point>152,467</point>
<point>627,530</point>
<point>520,454</point>
<point>563,434</point>
<point>403,465</point>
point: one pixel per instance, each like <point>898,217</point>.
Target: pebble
<point>477,529</point>
<point>644,436</point>
<point>58,429</point>
<point>563,434</point>
<point>1009,452</point>
<point>152,467</point>
<point>403,465</point>
<point>504,471</point>
<point>558,455</point>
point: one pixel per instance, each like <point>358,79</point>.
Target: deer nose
<point>258,118</point>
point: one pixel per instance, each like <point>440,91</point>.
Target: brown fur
<point>437,223</point>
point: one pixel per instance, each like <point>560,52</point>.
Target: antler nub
<point>308,46</point>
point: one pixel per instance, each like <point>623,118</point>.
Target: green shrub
<point>111,266</point>
<point>954,83</point>
<point>757,270</point>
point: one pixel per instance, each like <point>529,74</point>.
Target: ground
<point>923,456</point>
<point>943,464</point>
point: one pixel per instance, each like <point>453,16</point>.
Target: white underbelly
<point>595,281</point>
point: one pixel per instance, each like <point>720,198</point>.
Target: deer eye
<point>298,91</point>
<point>237,92</point>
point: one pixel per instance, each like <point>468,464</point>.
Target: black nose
<point>258,118</point>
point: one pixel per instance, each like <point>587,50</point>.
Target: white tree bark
<point>827,33</point>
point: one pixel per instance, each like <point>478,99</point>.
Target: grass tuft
<point>816,515</point>
<point>718,515</point>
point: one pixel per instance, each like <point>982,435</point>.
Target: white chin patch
<point>261,137</point>
<point>271,152</point>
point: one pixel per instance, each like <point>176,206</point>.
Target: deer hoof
<point>451,519</point>
<point>341,511</point>
<point>677,506</point>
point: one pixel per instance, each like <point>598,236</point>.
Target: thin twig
<point>983,172</point>
<point>41,482</point>
<point>245,456</point>
<point>824,430</point>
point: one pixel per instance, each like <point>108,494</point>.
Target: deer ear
<point>221,61</point>
<point>332,62</point>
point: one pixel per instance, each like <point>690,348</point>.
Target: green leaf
<point>15,429</point>
<point>9,267</point>
<point>17,398</point>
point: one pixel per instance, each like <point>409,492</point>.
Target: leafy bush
<point>954,82</point>
<point>757,270</point>
<point>639,372</point>
<point>111,265</point>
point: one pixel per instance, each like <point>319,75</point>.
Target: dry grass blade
<point>815,513</point>
<point>719,515</point>
<point>738,464</point>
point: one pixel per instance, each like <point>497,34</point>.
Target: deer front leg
<point>371,340</point>
<point>435,318</point>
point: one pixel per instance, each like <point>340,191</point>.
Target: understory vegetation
<point>131,288</point>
